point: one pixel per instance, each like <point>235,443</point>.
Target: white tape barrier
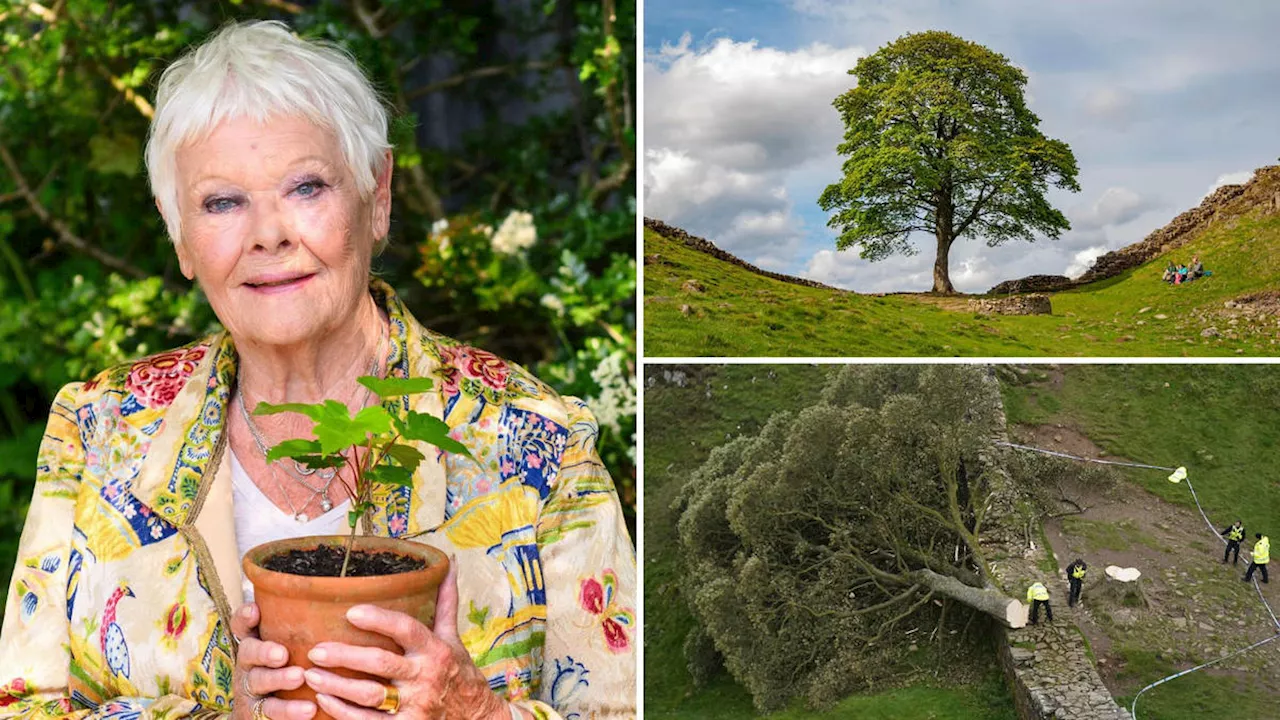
<point>1212,528</point>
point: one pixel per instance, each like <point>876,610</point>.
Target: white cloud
<point>1083,260</point>
<point>1114,105</point>
<point>1232,178</point>
<point>1155,97</point>
<point>1115,206</point>
<point>726,126</point>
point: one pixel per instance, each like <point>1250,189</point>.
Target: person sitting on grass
<point>1197,268</point>
<point>1170,272</point>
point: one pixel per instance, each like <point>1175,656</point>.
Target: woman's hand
<point>260,671</point>
<point>435,677</point>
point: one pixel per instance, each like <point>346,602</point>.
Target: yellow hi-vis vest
<point>1077,572</point>
<point>1037,592</point>
<point>1235,533</point>
<point>1262,551</point>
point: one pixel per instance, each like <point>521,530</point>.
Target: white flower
<point>551,301</point>
<point>439,226</point>
<point>516,233</point>
<point>617,398</point>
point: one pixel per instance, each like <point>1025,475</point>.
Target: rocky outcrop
<point>706,246</point>
<point>1033,304</point>
<point>1260,195</point>
<point>1033,283</point>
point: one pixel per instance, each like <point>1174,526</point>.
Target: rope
<point>1133,709</point>
<point>1077,457</point>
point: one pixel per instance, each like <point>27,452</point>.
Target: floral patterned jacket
<point>128,570</point>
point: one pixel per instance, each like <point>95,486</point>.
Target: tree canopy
<point>513,223</point>
<point>809,548</point>
<point>939,140</point>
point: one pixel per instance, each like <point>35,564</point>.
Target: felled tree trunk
<point>1008,611</point>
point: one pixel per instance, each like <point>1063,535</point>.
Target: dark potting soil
<point>326,561</point>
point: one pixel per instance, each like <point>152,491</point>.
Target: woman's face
<point>274,229</point>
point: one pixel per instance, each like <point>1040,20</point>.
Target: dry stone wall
<point>708,247</point>
<point>1260,195</point>
<point>1047,665</point>
<point>1033,304</point>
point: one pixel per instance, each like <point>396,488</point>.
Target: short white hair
<point>259,70</point>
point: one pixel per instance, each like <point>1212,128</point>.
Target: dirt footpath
<point>1189,608</point>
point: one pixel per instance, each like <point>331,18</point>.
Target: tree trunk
<point>944,228</point>
<point>1009,612</point>
<point>941,269</point>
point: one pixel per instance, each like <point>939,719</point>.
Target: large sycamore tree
<point>939,140</point>
<point>820,552</point>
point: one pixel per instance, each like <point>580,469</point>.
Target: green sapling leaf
<point>430,429</point>
<point>390,475</point>
<point>408,456</point>
<point>396,387</point>
<point>293,449</point>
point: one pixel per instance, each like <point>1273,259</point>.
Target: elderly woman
<point>269,162</point>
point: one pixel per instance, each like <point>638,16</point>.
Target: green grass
<point>1108,536</point>
<point>745,314</point>
<point>1223,423</point>
<point>1201,694</point>
<point>1220,421</point>
<point>681,428</point>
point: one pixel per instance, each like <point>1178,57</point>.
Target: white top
<point>258,520</point>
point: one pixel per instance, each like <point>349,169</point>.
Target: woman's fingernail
<point>313,678</point>
<point>278,655</point>
<point>318,655</point>
<point>357,613</point>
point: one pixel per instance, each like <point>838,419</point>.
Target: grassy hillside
<point>745,314</point>
<point>681,427</point>
<point>1223,423</point>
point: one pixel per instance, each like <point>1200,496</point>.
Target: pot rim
<point>352,589</point>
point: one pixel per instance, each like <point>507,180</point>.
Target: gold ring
<point>257,710</point>
<point>390,700</point>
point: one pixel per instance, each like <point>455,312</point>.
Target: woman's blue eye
<point>219,205</point>
<point>309,188</point>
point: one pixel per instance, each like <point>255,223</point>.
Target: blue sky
<point>1161,100</point>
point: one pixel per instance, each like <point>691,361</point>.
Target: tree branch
<point>479,73</point>
<point>64,233</point>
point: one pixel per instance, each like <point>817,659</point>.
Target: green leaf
<point>317,462</point>
<point>336,430</point>
<point>375,420</point>
<point>293,449</point>
<point>390,475</point>
<point>353,517</point>
<point>407,455</point>
<point>430,429</point>
<point>313,411</point>
<point>396,387</point>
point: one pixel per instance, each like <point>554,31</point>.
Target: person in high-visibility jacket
<point>1038,595</point>
<point>1075,581</point>
<point>1261,556</point>
<point>1234,535</point>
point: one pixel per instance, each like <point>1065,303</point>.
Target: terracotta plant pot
<point>299,611</point>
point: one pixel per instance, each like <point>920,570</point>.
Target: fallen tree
<point>817,551</point>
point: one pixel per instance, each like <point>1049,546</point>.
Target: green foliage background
<point>88,278</point>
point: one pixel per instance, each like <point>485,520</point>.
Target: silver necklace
<point>325,474</point>
<point>322,492</point>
